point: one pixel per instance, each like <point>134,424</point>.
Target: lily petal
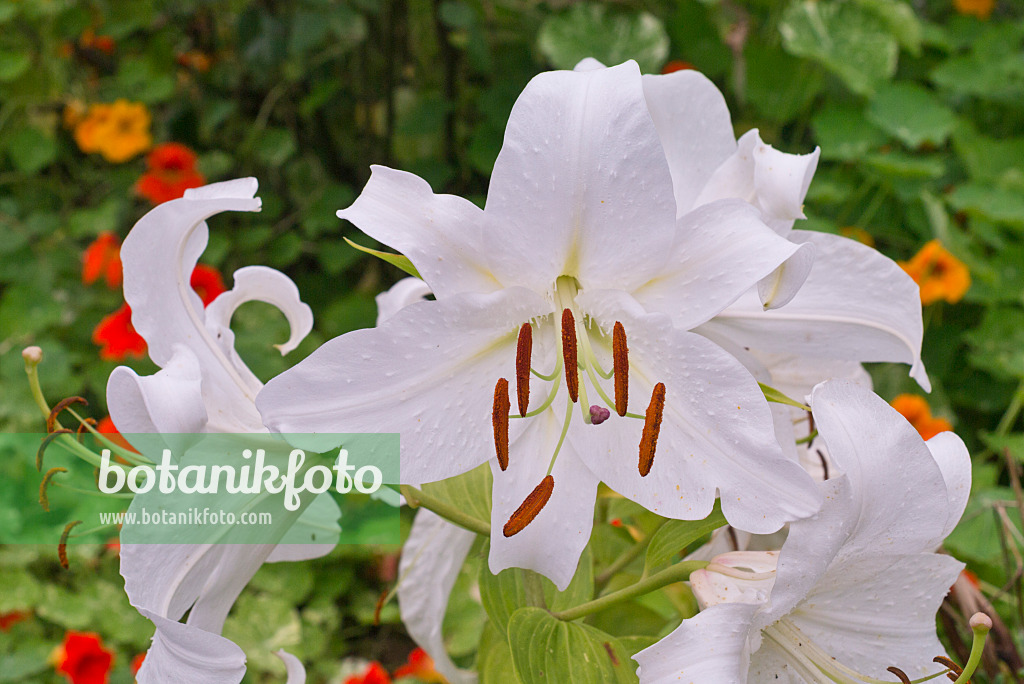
<point>553,542</point>
<point>856,305</point>
<point>441,234</point>
<point>711,647</point>
<point>950,452</point>
<point>581,184</point>
<point>403,293</point>
<point>717,432</point>
<point>183,654</point>
<point>169,402</point>
<point>428,372</point>
<point>259,284</point>
<point>695,128</point>
<point>431,560</point>
<point>721,250</point>
<point>293,666</point>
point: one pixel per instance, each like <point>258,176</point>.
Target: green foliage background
<point>919,112</point>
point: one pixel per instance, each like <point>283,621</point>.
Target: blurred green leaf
<point>608,35</point>
<point>13,65</point>
<point>912,114</point>
<point>844,133</point>
<point>31,150</point>
<point>845,38</point>
<point>997,344</point>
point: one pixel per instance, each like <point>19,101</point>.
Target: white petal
<point>721,251</point>
<point>774,182</point>
<point>856,305</point>
<point>879,612</point>
<point>588,64</point>
<point>428,373</point>
<point>951,454</point>
<point>695,128</point>
<point>319,521</point>
<point>159,255</point>
<point>441,234</point>
<point>293,666</point>
<point>431,559</point>
<point>261,284</point>
<point>183,654</point>
<point>553,542</point>
<point>768,665</point>
<point>711,648</point>
<point>779,288</point>
<point>403,293</point>
<point>716,433</point>
<point>884,457</point>
<point>711,588</point>
<point>581,186</point>
<point>168,402</point>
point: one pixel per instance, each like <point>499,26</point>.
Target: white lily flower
<point>578,247</point>
<point>855,588</point>
<point>203,387</point>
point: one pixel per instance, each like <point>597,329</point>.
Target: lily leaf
<point>399,260</point>
<point>775,396</point>
<point>676,535</point>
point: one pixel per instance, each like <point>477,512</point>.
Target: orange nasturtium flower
<point>118,131</point>
<point>171,170</point>
<point>939,274</point>
<point>373,674</point>
<point>421,666</point>
<point>102,258</point>
<point>675,65</point>
<point>916,410</point>
<point>978,8</point>
<point>82,659</point>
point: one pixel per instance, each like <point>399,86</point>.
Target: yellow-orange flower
<point>916,410</point>
<point>979,8</point>
<point>939,274</point>
<point>118,131</point>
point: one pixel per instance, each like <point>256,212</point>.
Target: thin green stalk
<point>677,573</point>
<point>416,497</point>
<point>627,557</point>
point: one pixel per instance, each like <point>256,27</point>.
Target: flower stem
<point>980,625</point>
<point>627,557</point>
<point>676,573</point>
<point>416,497</point>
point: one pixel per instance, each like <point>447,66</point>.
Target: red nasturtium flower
<point>171,170</point>
<point>421,666</point>
<point>117,337</point>
<point>675,65</point>
<point>102,259</point>
<point>373,674</point>
<point>916,410</point>
<point>137,663</point>
<point>8,620</point>
<point>82,659</point>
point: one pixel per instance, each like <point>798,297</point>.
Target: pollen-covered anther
<point>44,500</point>
<point>569,355</point>
<point>51,420</point>
<point>948,664</point>
<point>599,414</point>
<point>524,357</point>
<point>62,546</point>
<point>530,508</point>
<point>620,367</point>
<point>652,425</point>
<point>499,417</point>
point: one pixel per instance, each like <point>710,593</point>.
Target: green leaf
<point>900,20</point>
<point>470,492</point>
<point>897,165</point>
<point>996,204</point>
<point>989,160</point>
<point>275,146</point>
<point>775,396</point>
<point>912,114</point>
<point>844,133</point>
<point>31,150</point>
<point>399,260</point>
<point>13,65</point>
<point>545,650</point>
<point>610,36</point>
<point>494,659</point>
<point>845,38</point>
<point>676,535</point>
<point>778,85</point>
<point>997,344</point>
<point>503,594</point>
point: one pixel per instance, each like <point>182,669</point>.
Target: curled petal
<point>168,402</point>
<point>293,666</point>
<point>403,293</point>
<point>431,560</point>
<point>183,654</point>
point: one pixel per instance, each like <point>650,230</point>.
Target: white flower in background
<point>574,290</point>
<point>203,387</point>
<point>855,588</point>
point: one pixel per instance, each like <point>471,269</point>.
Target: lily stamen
<point>530,508</point>
<point>499,419</point>
<point>570,355</point>
<point>652,425</point>
<point>524,354</point>
<point>620,368</point>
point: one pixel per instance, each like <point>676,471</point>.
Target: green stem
<point>980,628</point>
<point>1012,411</point>
<point>416,497</point>
<point>677,573</point>
<point>627,557</point>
